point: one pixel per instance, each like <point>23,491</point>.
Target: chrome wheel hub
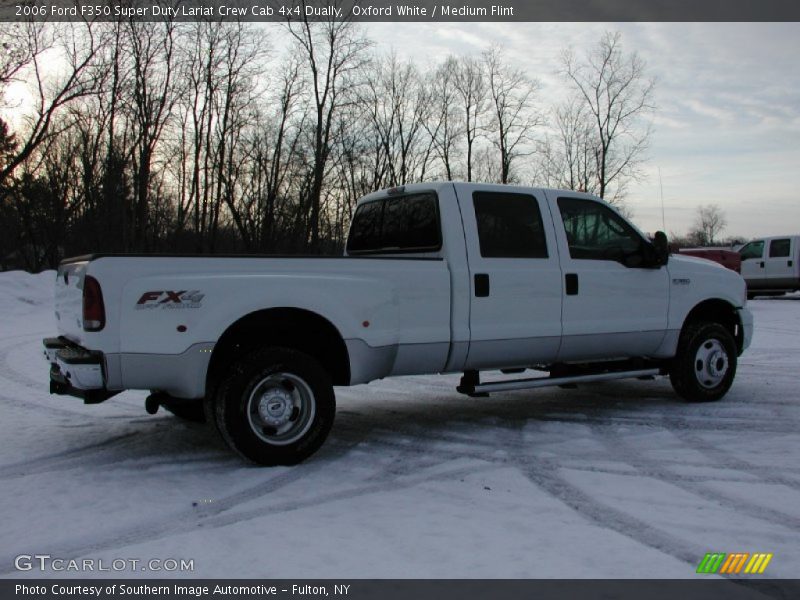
<point>711,363</point>
<point>281,408</point>
<point>275,407</point>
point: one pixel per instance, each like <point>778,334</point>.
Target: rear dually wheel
<point>275,407</point>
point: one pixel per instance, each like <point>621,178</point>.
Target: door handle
<point>761,264</point>
<point>571,284</point>
<point>788,263</point>
<point>481,285</point>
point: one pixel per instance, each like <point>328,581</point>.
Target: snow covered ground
<point>613,481</point>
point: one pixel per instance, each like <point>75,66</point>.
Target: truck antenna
<point>661,185</point>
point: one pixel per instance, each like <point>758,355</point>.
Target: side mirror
<point>661,246</point>
<point>634,260</point>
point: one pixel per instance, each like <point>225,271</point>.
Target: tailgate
<point>69,299</point>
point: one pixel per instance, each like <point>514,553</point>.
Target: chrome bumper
<point>75,371</point>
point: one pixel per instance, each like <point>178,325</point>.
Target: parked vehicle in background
<point>727,258</point>
<point>436,278</point>
<point>771,265</point>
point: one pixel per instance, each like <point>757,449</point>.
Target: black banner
<point>402,11</point>
<point>408,589</point>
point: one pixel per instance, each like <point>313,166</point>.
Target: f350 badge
<point>170,300</point>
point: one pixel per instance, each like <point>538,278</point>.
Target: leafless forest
<point>215,137</point>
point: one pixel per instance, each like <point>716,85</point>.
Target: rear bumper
<point>75,371</point>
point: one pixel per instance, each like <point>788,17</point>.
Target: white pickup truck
<point>771,265</point>
<point>436,278</point>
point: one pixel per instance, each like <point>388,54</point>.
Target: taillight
<point>94,312</point>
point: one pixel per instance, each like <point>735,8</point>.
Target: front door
<point>614,306</point>
<point>753,264</point>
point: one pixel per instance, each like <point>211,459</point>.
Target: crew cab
<point>436,278</point>
<point>771,265</point>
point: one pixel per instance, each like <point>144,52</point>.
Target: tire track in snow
<point>621,451</point>
<point>39,407</point>
<point>26,383</point>
<point>727,460</point>
<point>219,513</point>
<point>119,450</point>
<point>544,475</point>
<point>185,521</point>
<point>388,482</point>
<point>60,460</point>
<point>8,372</point>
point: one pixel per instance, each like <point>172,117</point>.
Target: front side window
<point>509,225</point>
<point>779,248</point>
<point>752,250</point>
<point>396,224</point>
<point>595,232</point>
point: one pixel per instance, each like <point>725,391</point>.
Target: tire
<point>704,368</point>
<point>186,410</point>
<point>276,406</point>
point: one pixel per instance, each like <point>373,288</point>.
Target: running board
<point>477,388</point>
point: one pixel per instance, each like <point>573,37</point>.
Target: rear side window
<point>595,232</point>
<point>752,250</point>
<point>779,248</point>
<point>509,225</point>
<point>396,224</point>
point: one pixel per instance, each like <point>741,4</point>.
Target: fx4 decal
<point>170,299</point>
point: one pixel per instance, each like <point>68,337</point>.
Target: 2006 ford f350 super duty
<point>436,278</point>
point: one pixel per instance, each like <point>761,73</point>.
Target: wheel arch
<point>717,310</point>
<point>295,328</point>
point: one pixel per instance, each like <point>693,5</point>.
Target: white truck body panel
<point>772,263</point>
<point>397,314</point>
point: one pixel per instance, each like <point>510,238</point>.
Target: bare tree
<point>15,50</point>
<point>152,48</point>
<point>472,90</point>
<point>513,117</point>
<point>446,122</point>
<point>332,51</point>
<point>567,157</point>
<point>182,135</point>
<point>396,102</point>
<point>277,158</point>
<point>710,222</point>
<point>617,95</point>
<point>24,55</point>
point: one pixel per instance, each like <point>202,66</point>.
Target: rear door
<point>753,264</point>
<point>614,306</point>
<point>780,262</point>
<point>515,277</point>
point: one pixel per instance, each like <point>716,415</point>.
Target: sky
<point>727,128</point>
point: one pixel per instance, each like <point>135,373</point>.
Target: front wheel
<point>275,407</point>
<point>705,365</point>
